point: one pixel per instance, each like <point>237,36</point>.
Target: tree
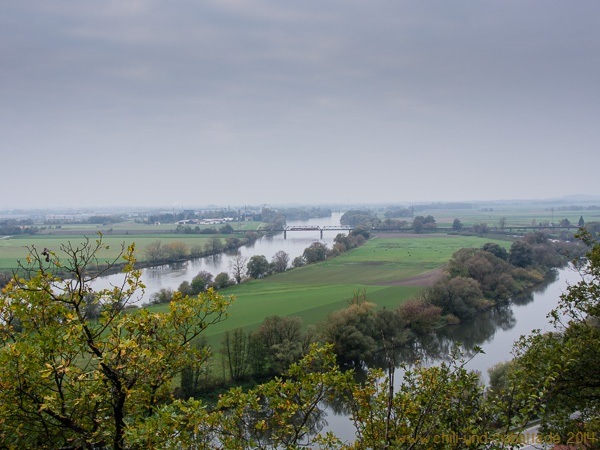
<point>236,352</point>
<point>222,281</point>
<point>258,266</point>
<point>565,222</point>
<point>581,222</point>
<point>350,331</point>
<point>459,296</point>
<point>176,250</point>
<point>554,375</point>
<point>317,251</point>
<point>502,223</point>
<point>496,250</point>
<point>481,228</point>
<point>457,225</point>
<point>418,224</point>
<point>520,254</point>
<point>214,246</point>
<point>237,265</point>
<point>200,282</point>
<point>165,295</point>
<point>68,381</point>
<point>283,341</point>
<point>155,252</point>
<point>280,261</point>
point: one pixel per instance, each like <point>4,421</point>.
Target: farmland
<point>312,292</point>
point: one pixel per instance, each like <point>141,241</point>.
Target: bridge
<point>506,230</point>
<point>318,228</point>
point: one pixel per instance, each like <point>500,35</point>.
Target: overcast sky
<point>232,102</point>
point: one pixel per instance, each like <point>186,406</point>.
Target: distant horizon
<point>574,198</point>
<point>180,104</point>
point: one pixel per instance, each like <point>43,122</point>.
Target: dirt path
<point>425,279</point>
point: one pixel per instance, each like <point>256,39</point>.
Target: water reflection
<point>495,331</point>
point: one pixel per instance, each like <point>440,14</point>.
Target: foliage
<point>280,261</point>
<point>283,341</point>
<point>355,218</point>
<point>554,375</point>
<point>222,280</point>
<point>315,252</point>
<point>258,266</point>
<point>521,254</point>
<point>431,403</point>
<point>70,381</point>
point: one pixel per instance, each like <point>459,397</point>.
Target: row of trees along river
<point>494,330</point>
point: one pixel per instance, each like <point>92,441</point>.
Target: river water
<point>495,331</point>
<point>170,276</point>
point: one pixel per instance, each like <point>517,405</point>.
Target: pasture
<point>14,248</point>
<point>312,292</point>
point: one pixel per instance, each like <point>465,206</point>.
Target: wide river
<point>495,331</point>
<point>172,275</point>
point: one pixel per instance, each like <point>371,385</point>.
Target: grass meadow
<point>14,248</point>
<point>312,292</point>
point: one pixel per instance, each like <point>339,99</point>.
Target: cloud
<point>357,99</point>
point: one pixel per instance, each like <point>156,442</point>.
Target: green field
<point>14,248</point>
<point>314,291</point>
<point>516,215</point>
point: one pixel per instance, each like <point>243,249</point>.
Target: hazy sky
<point>231,102</point>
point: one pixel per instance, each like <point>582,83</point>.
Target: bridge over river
<point>506,230</point>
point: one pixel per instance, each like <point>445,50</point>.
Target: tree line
<point>69,381</point>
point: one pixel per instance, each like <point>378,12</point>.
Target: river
<point>170,276</point>
<point>494,331</point>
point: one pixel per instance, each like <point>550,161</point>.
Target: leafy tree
<point>222,281</point>
<point>565,223</point>
<point>554,375</point>
<point>283,341</point>
<point>236,352</point>
<point>481,228</point>
<point>459,296</point>
<point>317,251</point>
<point>581,222</point>
<point>355,218</point>
<point>195,370</point>
<point>280,261</point>
<point>176,250</point>
<point>226,229</point>
<point>521,254</point>
<point>360,230</point>
<point>165,295</point>
<point>155,252</point>
<point>68,381</point>
<point>298,261</point>
<point>258,266</point>
<point>457,225</point>
<point>496,250</point>
<point>196,251</point>
<point>185,288</point>
<point>430,403</point>
<point>350,331</point>
<point>200,282</point>
<point>418,226</point>
<point>214,246</point>
<point>419,316</point>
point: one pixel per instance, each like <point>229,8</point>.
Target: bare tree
<point>237,265</point>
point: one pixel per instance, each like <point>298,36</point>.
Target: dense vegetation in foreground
<point>71,382</point>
